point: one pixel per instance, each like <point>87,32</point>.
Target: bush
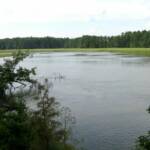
<point>20,127</point>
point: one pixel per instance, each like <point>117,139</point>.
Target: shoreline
<point>129,51</point>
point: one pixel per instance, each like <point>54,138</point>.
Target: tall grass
<point>129,51</point>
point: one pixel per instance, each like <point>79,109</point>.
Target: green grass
<point>129,51</point>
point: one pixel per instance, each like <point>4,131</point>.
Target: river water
<point>107,93</point>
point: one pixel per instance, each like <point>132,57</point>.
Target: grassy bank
<point>130,51</point>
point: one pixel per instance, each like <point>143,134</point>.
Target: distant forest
<point>127,39</point>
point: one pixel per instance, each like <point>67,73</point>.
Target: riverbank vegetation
<point>21,126</point>
<point>128,51</point>
<point>143,142</point>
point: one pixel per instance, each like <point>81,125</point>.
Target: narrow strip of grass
<point>129,51</point>
<point>5,54</point>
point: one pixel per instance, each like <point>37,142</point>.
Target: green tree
<point>20,127</point>
<point>10,74</point>
<point>14,126</point>
<point>49,132</point>
<point>15,131</point>
<point>143,142</point>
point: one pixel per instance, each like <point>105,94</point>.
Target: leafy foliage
<point>143,142</point>
<point>9,74</point>
<point>127,39</point>
<point>14,128</point>
<point>20,127</point>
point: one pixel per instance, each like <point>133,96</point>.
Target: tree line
<point>127,39</point>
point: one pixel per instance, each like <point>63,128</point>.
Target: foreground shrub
<point>20,127</point>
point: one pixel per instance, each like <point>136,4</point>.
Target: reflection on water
<point>107,93</point>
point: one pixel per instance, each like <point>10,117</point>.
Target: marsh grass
<point>129,51</point>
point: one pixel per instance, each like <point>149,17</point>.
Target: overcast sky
<point>72,18</point>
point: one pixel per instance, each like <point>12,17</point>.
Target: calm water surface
<point>107,93</point>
